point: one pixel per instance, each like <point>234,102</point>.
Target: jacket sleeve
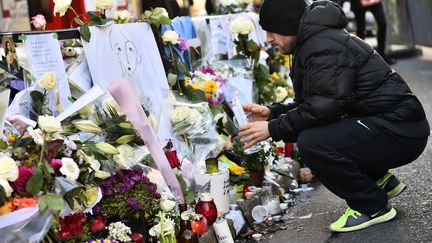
<point>277,109</point>
<point>327,89</point>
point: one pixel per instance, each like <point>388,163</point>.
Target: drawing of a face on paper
<point>127,53</point>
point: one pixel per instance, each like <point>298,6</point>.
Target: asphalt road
<point>413,222</point>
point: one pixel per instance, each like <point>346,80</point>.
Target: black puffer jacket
<point>336,75</point>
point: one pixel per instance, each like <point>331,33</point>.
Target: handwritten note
<point>79,74</point>
<point>44,55</point>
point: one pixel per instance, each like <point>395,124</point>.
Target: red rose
<point>172,159</point>
<point>24,175</point>
<point>97,225</point>
<point>64,234</point>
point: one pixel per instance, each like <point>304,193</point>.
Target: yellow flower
<point>48,80</point>
<point>210,86</point>
<point>196,86</point>
<point>208,95</point>
<point>186,81</point>
<point>237,170</point>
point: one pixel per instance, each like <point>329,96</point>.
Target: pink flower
<point>183,44</point>
<point>56,164</point>
<point>208,70</point>
<point>24,175</point>
<point>39,22</point>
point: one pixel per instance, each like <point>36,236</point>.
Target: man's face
<point>285,43</point>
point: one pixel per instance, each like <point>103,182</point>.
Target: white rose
<point>170,37</point>
<point>61,6</point>
<point>8,189</point>
<point>69,169</point>
<point>36,134</point>
<point>49,124</point>
<point>242,26</point>
<point>281,93</point>
<point>8,169</point>
<point>121,16</point>
<point>245,1</point>
<point>167,205</point>
<point>110,104</point>
<point>47,81</point>
<point>104,4</point>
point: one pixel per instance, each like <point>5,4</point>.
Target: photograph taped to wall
<point>10,54</point>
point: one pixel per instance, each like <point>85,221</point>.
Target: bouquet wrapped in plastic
<point>194,129</point>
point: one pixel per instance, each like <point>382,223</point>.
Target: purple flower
<point>216,100</point>
<point>151,189</point>
<point>133,202</point>
<point>145,180</point>
<point>97,209</point>
<point>208,70</point>
<point>183,44</point>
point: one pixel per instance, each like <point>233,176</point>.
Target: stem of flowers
<point>174,63</point>
<point>73,10</point>
<point>42,149</point>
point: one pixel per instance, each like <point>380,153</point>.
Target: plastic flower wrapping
<point>208,81</point>
<point>194,129</point>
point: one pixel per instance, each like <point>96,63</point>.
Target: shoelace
<point>352,212</point>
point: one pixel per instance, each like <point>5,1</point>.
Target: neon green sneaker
<point>391,185</point>
<point>352,220</point>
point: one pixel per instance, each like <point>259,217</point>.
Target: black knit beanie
<point>281,16</point>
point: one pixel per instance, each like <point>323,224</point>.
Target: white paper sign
<point>79,74</point>
<point>129,50</point>
<point>220,35</point>
<point>44,55</point>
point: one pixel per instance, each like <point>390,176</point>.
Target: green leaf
<point>85,32</point>
<point>74,197</point>
<point>52,201</point>
<point>181,67</point>
<point>172,79</point>
<point>165,20</point>
<point>78,21</point>
<point>3,144</point>
<point>104,21</point>
<point>35,183</point>
<point>94,17</point>
<point>99,156</point>
<point>37,97</point>
<point>2,196</point>
<point>194,94</point>
<point>252,46</point>
<point>189,197</point>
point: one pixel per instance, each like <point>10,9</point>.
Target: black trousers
<point>349,156</point>
<point>380,18</point>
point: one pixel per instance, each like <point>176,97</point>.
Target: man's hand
<point>253,133</point>
<point>256,112</point>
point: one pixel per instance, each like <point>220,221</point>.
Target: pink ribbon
<point>123,93</point>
